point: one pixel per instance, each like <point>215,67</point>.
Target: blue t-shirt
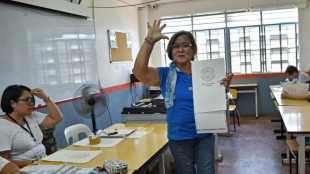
<point>180,117</point>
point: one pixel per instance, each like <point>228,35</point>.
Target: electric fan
<point>90,102</point>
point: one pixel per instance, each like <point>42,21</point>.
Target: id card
<point>40,151</point>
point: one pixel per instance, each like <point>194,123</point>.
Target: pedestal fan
<point>90,102</point>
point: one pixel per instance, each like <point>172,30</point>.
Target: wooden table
<point>241,89</point>
<point>297,122</point>
<point>138,153</point>
<point>277,90</point>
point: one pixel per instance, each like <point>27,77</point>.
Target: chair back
<point>74,131</point>
<point>233,92</point>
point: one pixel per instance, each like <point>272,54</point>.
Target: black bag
<point>49,140</point>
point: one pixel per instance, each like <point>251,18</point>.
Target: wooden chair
<point>233,107</point>
<point>293,146</point>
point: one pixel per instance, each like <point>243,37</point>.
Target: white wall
<point>120,19</point>
<point>304,37</point>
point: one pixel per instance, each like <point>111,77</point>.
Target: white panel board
<point>48,51</point>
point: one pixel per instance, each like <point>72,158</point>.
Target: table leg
<point>301,153</point>
<point>256,103</point>
<point>217,156</point>
<point>287,159</point>
<point>161,164</point>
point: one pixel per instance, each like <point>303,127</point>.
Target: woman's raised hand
<point>39,93</point>
<point>154,32</point>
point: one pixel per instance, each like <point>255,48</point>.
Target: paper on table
<point>47,169</point>
<point>121,133</point>
<point>295,88</point>
<point>137,134</point>
<point>211,122</point>
<point>72,156</point>
<point>209,95</point>
<point>105,142</point>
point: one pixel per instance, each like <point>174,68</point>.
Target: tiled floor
<point>253,149</point>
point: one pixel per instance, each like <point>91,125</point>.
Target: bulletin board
<point>120,46</point>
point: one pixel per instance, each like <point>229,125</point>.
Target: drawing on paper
<point>80,155</point>
<point>207,74</point>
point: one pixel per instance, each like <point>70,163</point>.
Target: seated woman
<point>7,167</point>
<point>20,133</point>
<point>286,95</point>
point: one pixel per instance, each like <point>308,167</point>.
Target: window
<point>251,42</point>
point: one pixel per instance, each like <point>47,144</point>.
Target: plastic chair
<point>233,107</point>
<point>74,131</point>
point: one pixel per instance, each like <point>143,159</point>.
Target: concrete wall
<point>132,19</point>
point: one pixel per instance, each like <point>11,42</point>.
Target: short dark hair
<point>175,36</point>
<point>290,69</point>
<point>12,92</point>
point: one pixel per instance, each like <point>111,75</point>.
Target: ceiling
<point>149,2</point>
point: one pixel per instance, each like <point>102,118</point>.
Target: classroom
<point>62,45</point>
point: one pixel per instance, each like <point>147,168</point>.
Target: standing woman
<point>192,152</point>
<point>20,133</point>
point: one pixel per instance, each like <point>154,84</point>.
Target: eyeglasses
<point>184,46</point>
<point>29,101</point>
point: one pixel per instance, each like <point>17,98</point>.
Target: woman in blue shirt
<point>192,152</point>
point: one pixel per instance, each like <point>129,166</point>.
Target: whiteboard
<point>41,49</point>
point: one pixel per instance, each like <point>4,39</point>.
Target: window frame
<point>264,65</point>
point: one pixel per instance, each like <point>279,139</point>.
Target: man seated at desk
<point>297,76</point>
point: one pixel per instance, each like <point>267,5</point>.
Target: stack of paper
<point>209,96</point>
<point>295,88</point>
<point>61,169</point>
<point>105,142</point>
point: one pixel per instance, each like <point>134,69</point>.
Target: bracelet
<point>47,100</point>
<point>150,42</point>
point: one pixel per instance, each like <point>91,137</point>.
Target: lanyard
<point>29,131</point>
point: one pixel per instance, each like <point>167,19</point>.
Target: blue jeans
<point>193,154</point>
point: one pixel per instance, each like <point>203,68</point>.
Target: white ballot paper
<point>295,88</point>
<point>105,142</point>
<point>209,96</point>
<point>211,122</point>
<point>72,156</point>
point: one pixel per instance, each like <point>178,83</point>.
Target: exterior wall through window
<point>251,42</point>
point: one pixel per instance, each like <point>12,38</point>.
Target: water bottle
<point>287,80</point>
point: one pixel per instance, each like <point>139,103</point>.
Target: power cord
<point>229,95</point>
